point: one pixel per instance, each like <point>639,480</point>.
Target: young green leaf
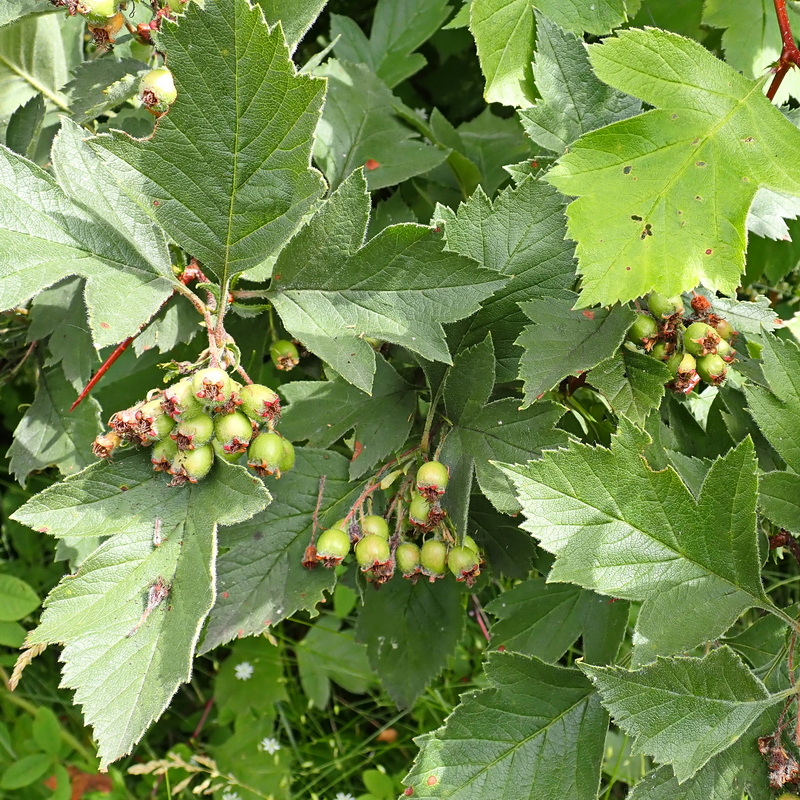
<point>671,181</point>
<point>598,17</point>
<point>398,287</point>
<point>360,125</point>
<point>621,529</point>
<point>573,100</point>
<point>683,711</point>
<point>130,618</point>
<point>260,574</point>
<point>411,630</point>
<point>564,341</point>
<point>227,172</point>
<point>324,411</point>
<point>537,731</point>
<point>520,234</point>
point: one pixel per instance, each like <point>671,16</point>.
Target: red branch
<point>790,55</point>
<point>102,371</point>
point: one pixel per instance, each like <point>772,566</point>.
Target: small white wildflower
<point>231,796</point>
<point>244,670</point>
<point>344,796</point>
<point>421,113</point>
<point>269,745</point>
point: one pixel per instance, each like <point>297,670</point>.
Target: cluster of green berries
<point>198,417</point>
<point>695,347</point>
<point>379,555</point>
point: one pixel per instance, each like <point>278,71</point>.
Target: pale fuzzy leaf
<point>124,663</point>
<point>398,287</point>
<point>683,711</point>
<point>360,127</point>
<point>12,10</point>
<point>411,630</point>
<point>261,578</point>
<point>227,171</point>
<point>324,411</point>
<point>675,199</point>
<point>566,341</point>
<point>47,435</point>
<point>573,100</point>
<point>504,32</point>
<point>536,731</point>
<point>621,529</point>
<point>768,214</point>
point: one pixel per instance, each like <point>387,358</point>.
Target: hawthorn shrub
<point>488,306</point>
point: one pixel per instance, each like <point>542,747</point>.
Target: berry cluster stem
<point>790,54</point>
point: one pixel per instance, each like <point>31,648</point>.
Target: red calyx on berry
<point>190,466</point>
<point>260,403</point>
<point>332,546</point>
<point>432,479</point>
<point>464,563</point>
<point>265,454</point>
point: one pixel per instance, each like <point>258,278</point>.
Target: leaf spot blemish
<point>371,164</point>
<point>104,325</point>
<point>156,203</point>
<point>709,251</point>
<point>698,198</point>
<point>636,217</point>
<point>433,780</point>
<point>748,139</point>
<point>43,529</point>
<point>588,314</point>
<point>123,488</point>
<point>225,595</point>
<point>626,170</point>
<point>627,269</point>
<point>695,142</point>
<point>409,790</point>
<point>699,163</point>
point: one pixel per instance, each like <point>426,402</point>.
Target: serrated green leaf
<point>672,171</point>
<point>327,654</point>
<point>227,171</point>
<point>24,126</point>
<point>13,10</point>
<point>573,100</point>
<point>176,322</point>
<point>504,32</point>
<point>360,126</point>
<point>520,235</point>
<point>261,578</point>
<point>324,411</point>
<point>752,39</point>
<point>565,341</point>
<point>485,432</point>
<point>598,17</point>
<point>683,711</point>
<point>80,223</point>
<point>100,85</point>
<point>59,315</point>
<point>17,598</point>
<point>748,316</point>
<point>779,499</point>
<point>48,436</point>
<point>399,287</point>
<point>621,529</point>
<point>545,619</point>
<point>633,383</point>
<point>776,409</point>
<point>126,663</point>
<point>295,16</point>
<point>509,550</point>
<point>398,28</point>
<point>410,630</point>
<point>537,731</point>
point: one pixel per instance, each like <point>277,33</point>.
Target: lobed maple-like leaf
<point>682,176</point>
<point>683,711</point>
<point>124,662</point>
<point>536,731</point>
<point>80,223</point>
<point>227,172</point>
<point>332,290</point>
<point>620,528</point>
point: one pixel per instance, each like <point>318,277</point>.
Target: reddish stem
<point>203,719</point>
<point>790,55</point>
<point>120,349</point>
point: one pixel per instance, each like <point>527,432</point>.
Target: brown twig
<point>790,54</point>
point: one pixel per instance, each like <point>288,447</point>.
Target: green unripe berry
<point>193,433</point>
<point>726,351</point>
<point>233,431</point>
<point>712,369</point>
<point>433,559</point>
<point>265,454</point>
<point>154,423</point>
<point>407,556</point>
<point>231,458</point>
<point>674,362</point>
<point>686,365</point>
<point>464,563</point>
<point>192,465</point>
<point>432,479</point>
<point>644,329</point>
<point>157,90</point>
<point>372,551</point>
<point>98,12</point>
<point>341,525</point>
<point>287,462</point>
<point>332,546</point>
<point>725,330</point>
<point>284,355</point>
<point>419,511</point>
<point>471,543</point>
<point>663,307</point>
<point>662,350</point>
<point>212,387</point>
<point>700,339</point>
<point>260,403</point>
<point>179,401</point>
<point>163,455</point>
<point>375,525</point>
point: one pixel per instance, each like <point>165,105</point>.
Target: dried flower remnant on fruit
<point>375,558</point>
<point>260,403</point>
<point>700,305</point>
<point>190,466</point>
<point>433,559</point>
<point>783,767</point>
<point>310,557</point>
<point>332,547</point>
<point>233,431</point>
<point>432,479</point>
<point>212,387</point>
<point>464,563</point>
<point>157,90</point>
<point>163,454</point>
<point>265,454</point>
<point>105,444</point>
<point>193,433</point>
<point>700,339</point>
<point>407,557</point>
<point>284,354</point>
